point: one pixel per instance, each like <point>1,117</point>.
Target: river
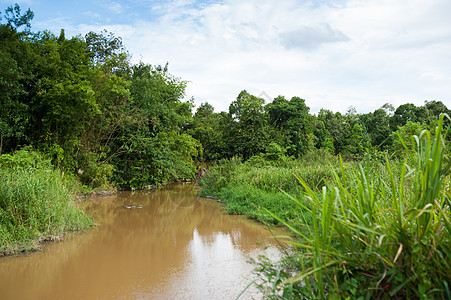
<point>158,244</point>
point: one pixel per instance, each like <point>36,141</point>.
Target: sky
<point>334,54</point>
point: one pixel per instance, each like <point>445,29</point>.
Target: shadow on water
<point>169,244</point>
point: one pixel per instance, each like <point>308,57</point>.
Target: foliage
<point>357,142</point>
<point>24,158</point>
<point>408,112</point>
<point>210,129</point>
<point>292,118</point>
<point>248,131</point>
<point>103,46</point>
<point>322,136</point>
<point>81,102</point>
<point>274,152</point>
<point>96,115</point>
<point>153,147</point>
<point>16,19</point>
<point>377,125</point>
<point>338,128</point>
<point>219,176</point>
<point>403,138</point>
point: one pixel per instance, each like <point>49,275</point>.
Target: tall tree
<point>292,119</point>
<point>336,125</point>
<point>377,125</point>
<point>15,58</point>
<point>155,147</point>
<point>408,112</point>
<point>209,128</point>
<point>249,132</point>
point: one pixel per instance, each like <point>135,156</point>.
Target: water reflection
<point>177,246</point>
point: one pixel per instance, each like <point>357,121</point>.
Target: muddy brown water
<point>177,246</point>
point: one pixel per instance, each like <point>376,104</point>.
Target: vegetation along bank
<point>367,229</point>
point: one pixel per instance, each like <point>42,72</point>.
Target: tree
<point>62,100</point>
<point>435,109</point>
<point>389,109</point>
<point>248,134</point>
<point>15,58</point>
<point>81,102</point>
<point>356,142</point>
<point>322,137</point>
<point>54,98</point>
<point>154,146</point>
<point>408,112</point>
<point>103,46</point>
<point>377,125</point>
<point>16,19</point>
<point>403,139</point>
<point>209,128</point>
<point>291,119</point>
<point>336,125</point>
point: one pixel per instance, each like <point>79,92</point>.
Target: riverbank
<point>257,186</point>
<point>37,204</point>
<point>368,229</point>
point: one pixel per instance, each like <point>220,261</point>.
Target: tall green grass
<point>373,233</point>
<point>35,203</point>
<point>249,188</point>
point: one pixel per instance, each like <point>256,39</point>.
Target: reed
<point>375,233</point>
<point>35,205</point>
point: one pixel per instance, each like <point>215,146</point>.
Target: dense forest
<point>366,196</point>
<point>82,103</point>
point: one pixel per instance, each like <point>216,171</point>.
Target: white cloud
<point>91,14</point>
<point>307,37</point>
<point>355,52</point>
<point>114,6</point>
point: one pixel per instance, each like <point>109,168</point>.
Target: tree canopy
<point>81,102</point>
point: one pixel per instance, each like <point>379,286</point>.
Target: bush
<point>25,158</point>
<point>95,173</point>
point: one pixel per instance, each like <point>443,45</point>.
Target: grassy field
<point>374,229</point>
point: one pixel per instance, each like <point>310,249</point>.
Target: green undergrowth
<point>251,187</point>
<point>378,228</point>
<point>259,185</point>
<point>250,200</point>
<point>36,203</point>
<point>377,231</point>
